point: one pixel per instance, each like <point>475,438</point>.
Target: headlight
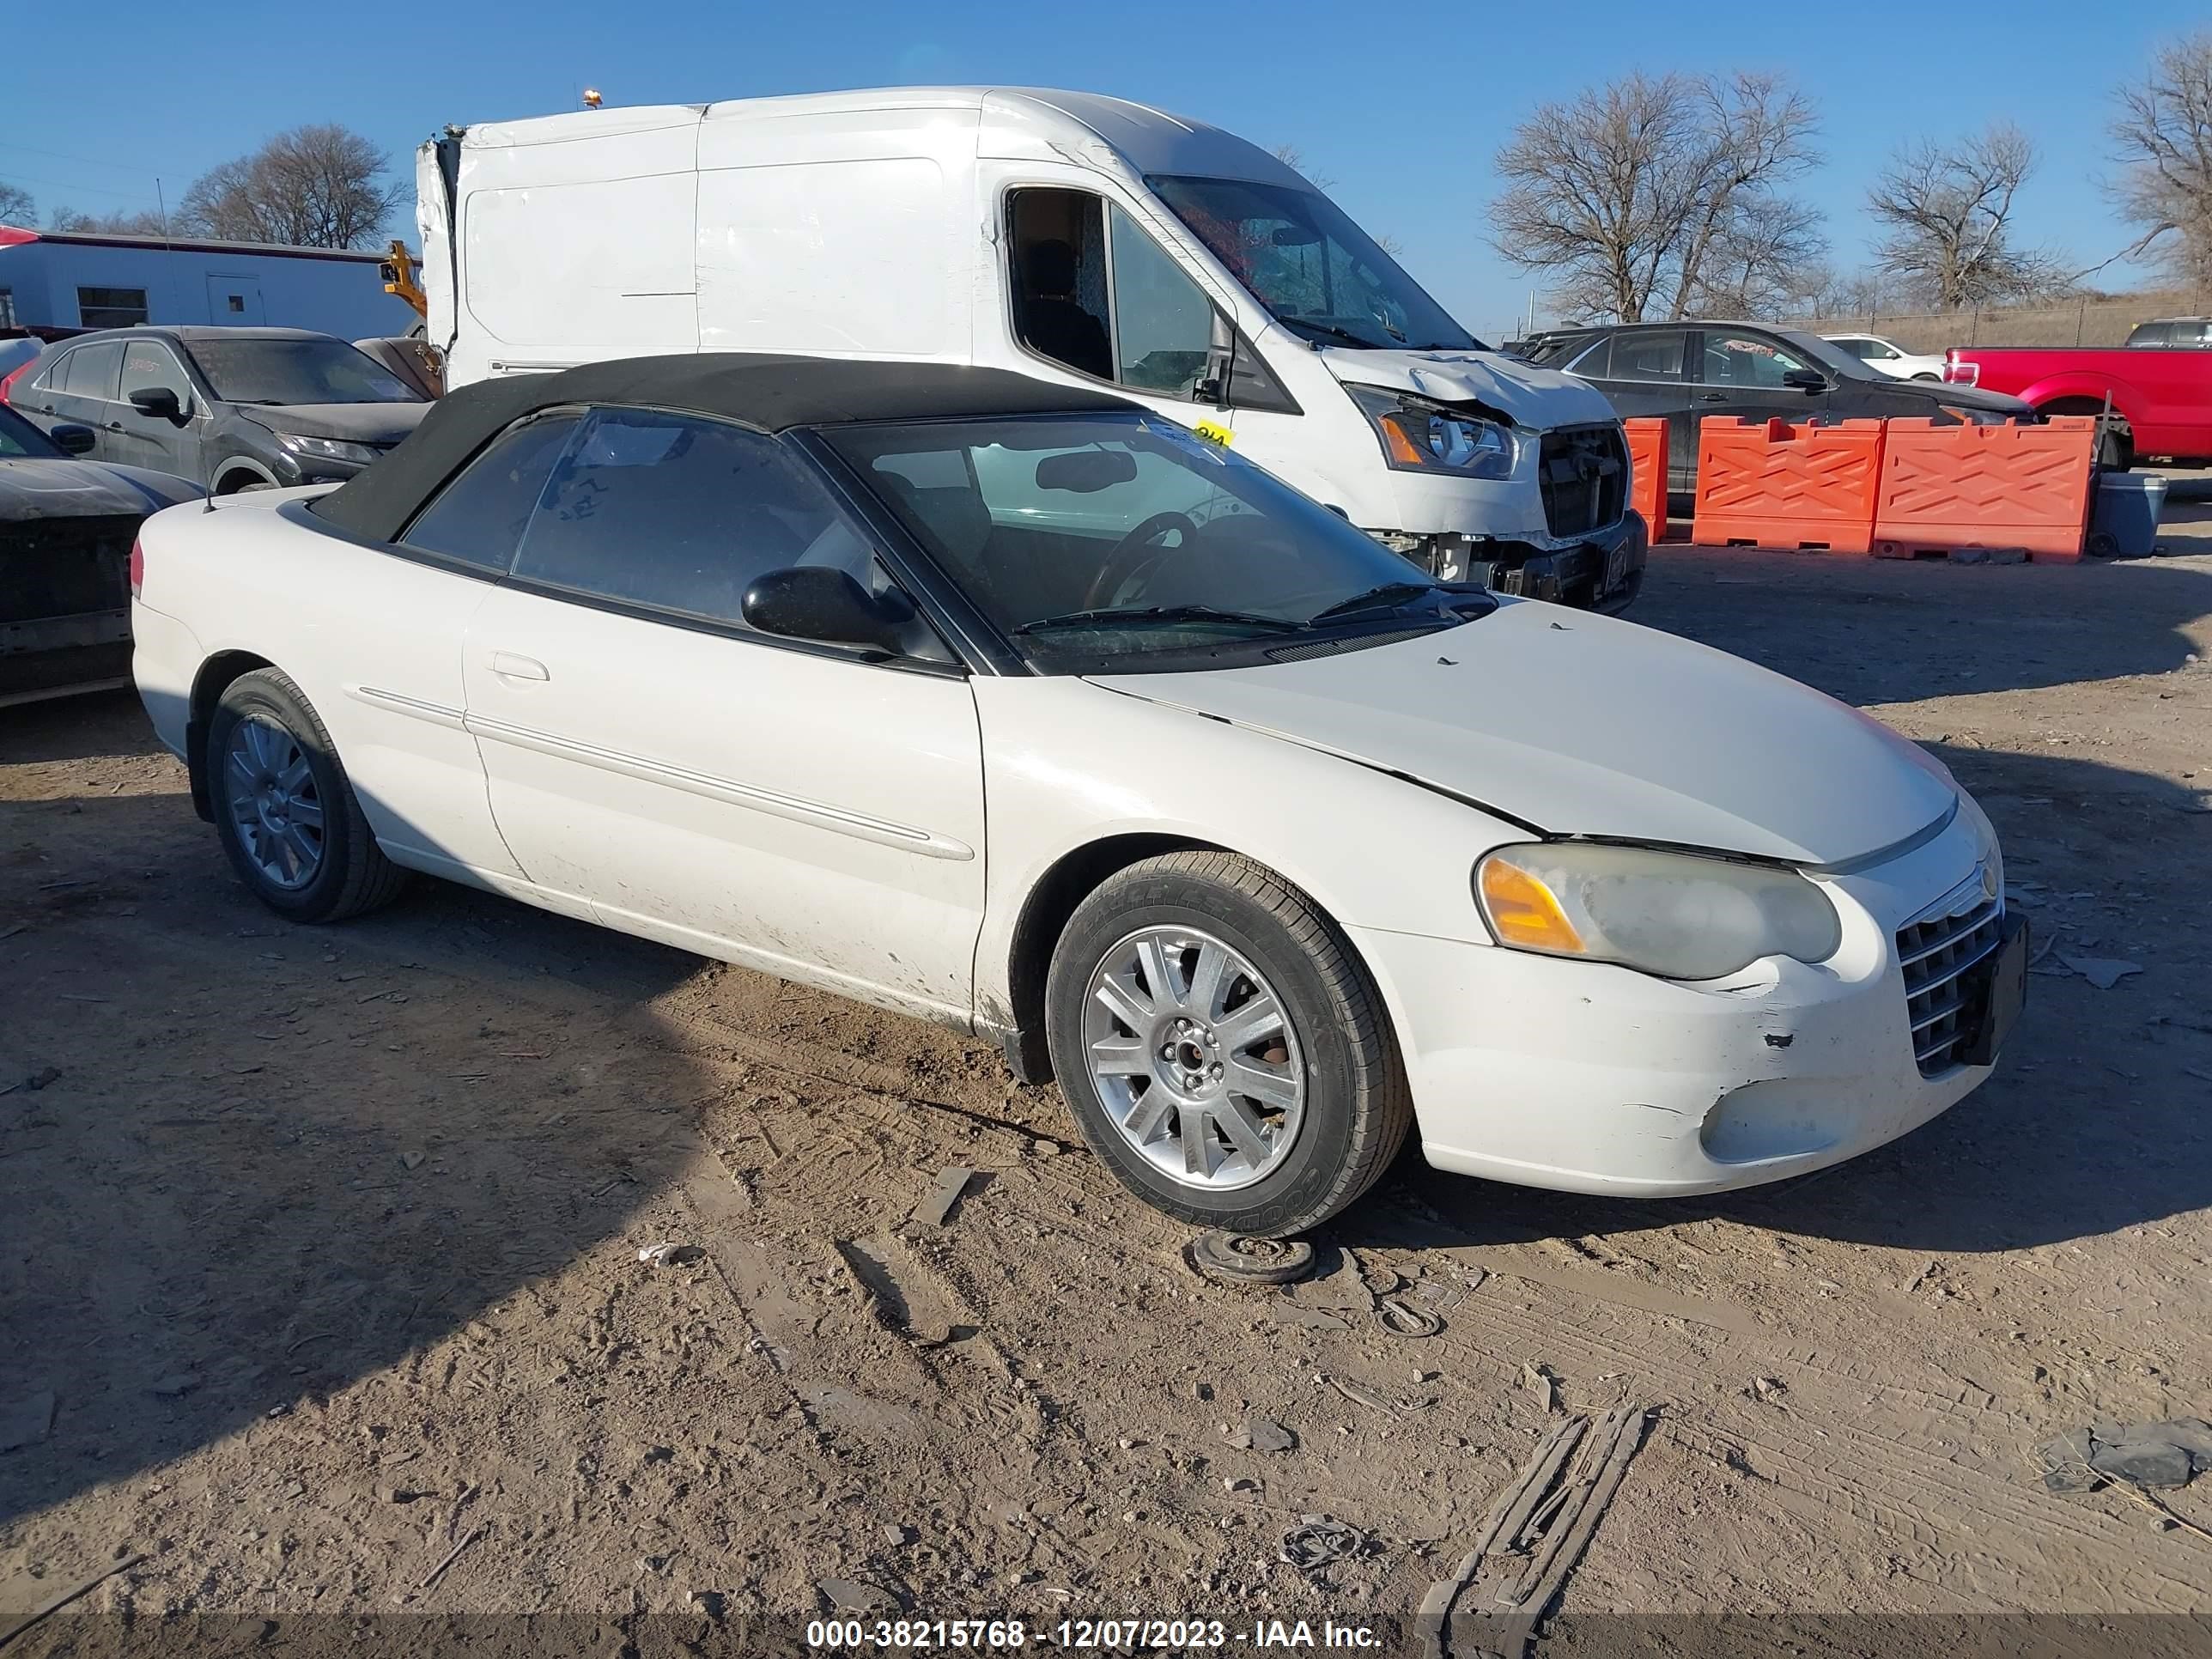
<point>1987,852</point>
<point>1419,436</point>
<point>326,449</point>
<point>1675,915</point>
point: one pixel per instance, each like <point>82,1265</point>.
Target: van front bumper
<point>1601,572</point>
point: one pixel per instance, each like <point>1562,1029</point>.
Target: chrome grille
<point>1935,949</point>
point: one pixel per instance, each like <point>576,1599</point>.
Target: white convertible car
<point>1027,710</point>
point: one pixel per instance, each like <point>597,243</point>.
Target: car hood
<point>1940,393</point>
<point>360,423</point>
<point>1580,725</point>
<point>37,487</point>
<point>1538,399</point>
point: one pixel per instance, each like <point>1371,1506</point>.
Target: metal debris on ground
<point>1232,1258</point>
<point>1401,1318</point>
<point>2103,972</point>
<point>934,1210</point>
<point>843,1593</point>
<point>1541,1383</point>
<point>669,1255</point>
<point>1361,1394</point>
<point>1318,1539</point>
<point>2149,1454</point>
<point>1532,1538</point>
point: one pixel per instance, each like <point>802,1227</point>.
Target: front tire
<point>286,815</point>
<point>1221,1048</point>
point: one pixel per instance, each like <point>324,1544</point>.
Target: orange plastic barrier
<point>1946,487</point>
<point>1768,484</point>
<point>1647,473</point>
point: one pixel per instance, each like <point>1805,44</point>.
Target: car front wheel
<point>284,810</point>
<point>1221,1048</point>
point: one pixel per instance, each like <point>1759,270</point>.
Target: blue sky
<point>1405,122</point>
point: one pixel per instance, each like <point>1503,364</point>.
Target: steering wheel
<point>1122,565</point>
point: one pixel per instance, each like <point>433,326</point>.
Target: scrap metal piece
<point>1232,1258</point>
<point>952,1182</point>
<point>1401,1318</point>
<point>1318,1539</point>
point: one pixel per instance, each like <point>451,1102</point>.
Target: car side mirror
<point>74,438</point>
<point>815,602</point>
<point>1807,381</point>
<point>157,401</point>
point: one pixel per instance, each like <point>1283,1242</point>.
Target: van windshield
<point>1316,271</point>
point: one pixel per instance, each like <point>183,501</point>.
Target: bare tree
<point>1295,159</point>
<point>2164,130</point>
<point>315,186</point>
<point>1948,211</point>
<point>16,207</point>
<point>1760,261</point>
<point>123,221</point>
<point>1657,194</point>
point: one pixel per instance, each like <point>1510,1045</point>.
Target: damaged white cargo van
<point>1071,237</point>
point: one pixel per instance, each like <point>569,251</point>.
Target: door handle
<point>112,426</point>
<point>1714,398</point>
<point>509,667</point>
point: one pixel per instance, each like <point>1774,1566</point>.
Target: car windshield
<point>1829,356</point>
<point>1316,270</point>
<point>247,371</point>
<point>19,439</point>
<point>1113,542</point>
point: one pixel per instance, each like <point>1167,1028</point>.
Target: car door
<point>89,396</point>
<point>1739,373</point>
<point>1640,371</point>
<point>160,442</point>
<point>801,809</point>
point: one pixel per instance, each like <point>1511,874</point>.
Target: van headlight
<point>1420,436</point>
<point>1675,915</point>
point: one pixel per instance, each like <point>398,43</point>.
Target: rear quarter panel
<point>372,639</point>
<point>2164,396</point>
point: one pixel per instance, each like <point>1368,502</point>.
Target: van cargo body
<point>1073,238</point>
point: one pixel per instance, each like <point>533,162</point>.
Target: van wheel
<point>285,814</point>
<point>1221,1048</point>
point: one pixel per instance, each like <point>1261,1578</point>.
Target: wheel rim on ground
<point>1194,1059</point>
<point>274,804</point>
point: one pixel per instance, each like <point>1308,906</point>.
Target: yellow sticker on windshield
<point>1212,434</point>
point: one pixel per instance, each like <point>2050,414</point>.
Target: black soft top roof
<point>774,394</point>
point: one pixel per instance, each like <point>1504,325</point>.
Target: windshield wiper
<point>1115,614</point>
<point>1334,332</point>
<point>1381,600</point>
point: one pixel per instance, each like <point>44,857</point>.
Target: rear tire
<point>1315,1103</point>
<point>286,816</point>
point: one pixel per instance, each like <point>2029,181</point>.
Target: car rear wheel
<point>1221,1048</point>
<point>285,814</point>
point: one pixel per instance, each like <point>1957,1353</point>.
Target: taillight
<point>16,374</point>
<point>137,567</point>
<point>1958,373</point>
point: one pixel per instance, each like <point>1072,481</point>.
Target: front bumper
<point>1587,1078</point>
<point>1603,572</point>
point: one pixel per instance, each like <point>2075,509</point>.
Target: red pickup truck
<point>2161,400</point>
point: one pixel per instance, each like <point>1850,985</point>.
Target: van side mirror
<point>815,602</point>
<point>1807,381</point>
<point>157,401</point>
<point>73,439</point>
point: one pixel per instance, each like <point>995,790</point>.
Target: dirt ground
<point>318,1251</point>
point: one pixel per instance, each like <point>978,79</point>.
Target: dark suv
<point>1683,372</point>
<point>229,408</point>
